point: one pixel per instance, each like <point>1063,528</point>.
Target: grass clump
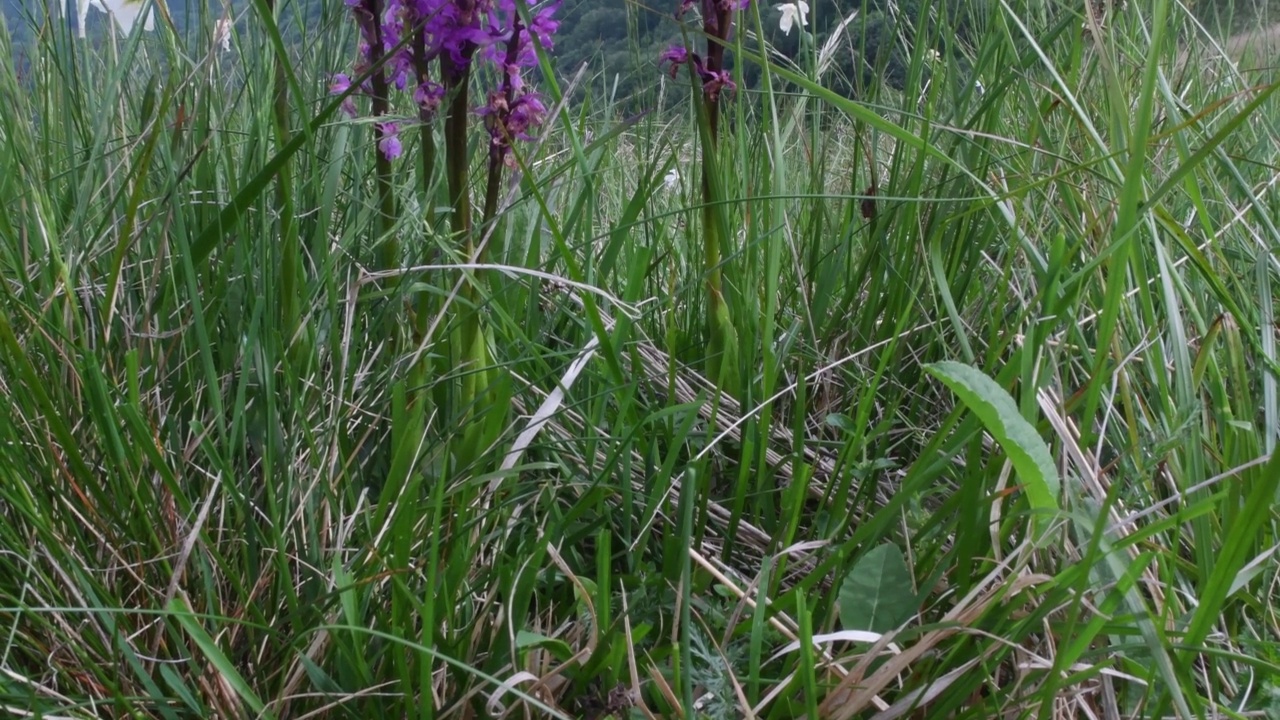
<point>288,436</point>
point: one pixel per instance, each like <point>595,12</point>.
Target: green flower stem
<point>723,348</point>
<point>456,160</point>
<point>426,134</point>
<point>423,306</point>
<point>290,254</point>
<point>470,350</point>
<point>389,251</point>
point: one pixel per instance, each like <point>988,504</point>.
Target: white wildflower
<point>222,34</point>
<point>672,180</point>
<point>791,12</point>
<point>125,13</point>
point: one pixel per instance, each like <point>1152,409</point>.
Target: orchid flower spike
<point>125,13</point>
<point>791,12</point>
<point>222,34</point>
<point>672,180</point>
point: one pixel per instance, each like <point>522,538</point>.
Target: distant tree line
<point>620,40</point>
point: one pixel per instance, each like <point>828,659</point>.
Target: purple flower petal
<point>389,142</point>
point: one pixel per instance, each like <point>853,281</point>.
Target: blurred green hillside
<point>619,41</point>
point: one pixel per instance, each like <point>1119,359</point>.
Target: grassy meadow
<point>957,400</point>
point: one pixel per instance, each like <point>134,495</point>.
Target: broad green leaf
<point>877,594</point>
<point>999,415</point>
<point>558,648</point>
<point>841,422</point>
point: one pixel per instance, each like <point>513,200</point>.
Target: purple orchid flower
<point>463,32</point>
<point>717,19</point>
